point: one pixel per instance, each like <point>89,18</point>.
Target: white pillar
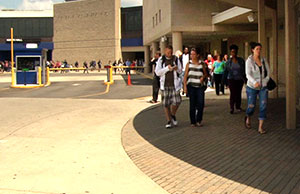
<point>147,59</point>
<point>177,41</point>
<point>154,48</point>
<point>162,45</point>
<point>262,26</point>
<point>274,93</point>
<point>290,64</point>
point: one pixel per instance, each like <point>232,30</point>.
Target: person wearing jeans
<point>194,85</point>
<point>257,71</point>
<point>218,69</point>
<point>236,76</point>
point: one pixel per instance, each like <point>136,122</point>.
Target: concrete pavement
<point>68,146</point>
<point>53,142</point>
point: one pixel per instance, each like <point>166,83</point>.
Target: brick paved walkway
<point>221,157</point>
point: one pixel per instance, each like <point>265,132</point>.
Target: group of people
<point>130,65</point>
<point>5,66</point>
<point>64,64</point>
<point>188,72</point>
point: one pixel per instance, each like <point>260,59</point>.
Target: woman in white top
<point>257,72</point>
<point>194,86</point>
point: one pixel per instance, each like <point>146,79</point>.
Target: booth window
<point>27,63</point>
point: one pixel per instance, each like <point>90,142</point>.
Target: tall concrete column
<point>154,48</point>
<point>246,50</point>
<point>290,64</point>
<point>162,45</point>
<point>274,93</point>
<point>177,41</point>
<point>262,26</point>
<point>147,59</point>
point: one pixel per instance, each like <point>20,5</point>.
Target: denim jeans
<point>263,100</point>
<point>196,96</point>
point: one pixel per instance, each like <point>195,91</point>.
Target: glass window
<point>27,63</point>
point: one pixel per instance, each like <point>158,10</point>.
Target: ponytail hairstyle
<point>253,45</point>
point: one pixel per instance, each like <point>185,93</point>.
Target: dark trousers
<point>155,87</point>
<point>219,82</point>
<point>196,96</point>
<point>235,87</point>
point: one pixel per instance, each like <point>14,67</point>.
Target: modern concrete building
<point>215,25</point>
<point>87,30</point>
<point>29,27</point>
<point>132,33</point>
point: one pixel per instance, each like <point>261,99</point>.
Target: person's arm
<point>266,79</point>
<point>185,78</point>
<point>179,66</point>
<point>213,67</point>
<point>249,72</point>
<point>160,70</point>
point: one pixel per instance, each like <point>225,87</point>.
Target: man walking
<point>155,83</point>
<point>169,68</point>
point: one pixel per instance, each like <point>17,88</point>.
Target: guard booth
<point>30,69</point>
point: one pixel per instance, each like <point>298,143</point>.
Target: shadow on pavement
<point>269,162</point>
<point>137,80</point>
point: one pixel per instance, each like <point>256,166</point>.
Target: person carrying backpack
<point>169,69</point>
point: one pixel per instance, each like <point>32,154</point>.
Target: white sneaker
<point>174,121</point>
<point>168,125</point>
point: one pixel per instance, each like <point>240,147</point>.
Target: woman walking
<point>218,69</point>
<point>235,74</point>
<point>194,86</point>
<point>257,71</point>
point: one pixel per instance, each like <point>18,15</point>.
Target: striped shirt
<point>194,75</point>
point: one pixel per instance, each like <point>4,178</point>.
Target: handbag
<point>271,85</point>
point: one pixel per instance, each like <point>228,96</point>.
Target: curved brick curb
<point>221,157</point>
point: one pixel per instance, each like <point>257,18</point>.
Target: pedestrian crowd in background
<point>5,66</point>
<point>189,74</point>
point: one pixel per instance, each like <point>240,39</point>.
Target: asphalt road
<point>82,86</point>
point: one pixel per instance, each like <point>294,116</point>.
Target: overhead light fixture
<point>32,46</point>
<point>164,39</point>
<point>251,17</point>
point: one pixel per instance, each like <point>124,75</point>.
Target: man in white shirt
<point>185,58</point>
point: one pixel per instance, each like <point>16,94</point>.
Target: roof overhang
<point>230,14</point>
<point>26,14</point>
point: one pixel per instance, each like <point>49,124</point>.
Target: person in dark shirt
<point>155,83</point>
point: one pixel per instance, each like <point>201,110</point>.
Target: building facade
<point>215,25</point>
<point>30,27</point>
<point>87,30</point>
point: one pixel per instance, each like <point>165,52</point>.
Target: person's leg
<point>232,95</point>
<point>200,104</point>
<point>193,99</point>
<point>217,83</point>
<point>168,113</point>
<point>166,106</point>
<point>263,101</point>
<point>175,102</point>
<point>240,86</point>
<point>222,84</point>
<point>155,88</point>
<point>251,99</point>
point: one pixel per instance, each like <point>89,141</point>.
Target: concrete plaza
<point>73,137</point>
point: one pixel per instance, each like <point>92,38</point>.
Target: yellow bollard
<point>13,76</point>
<point>111,75</point>
<point>48,77</point>
<point>40,76</point>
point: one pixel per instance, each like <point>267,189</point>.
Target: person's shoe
<point>168,125</point>
<point>231,112</point>
<point>152,101</point>
<point>247,125</point>
<point>239,110</point>
<point>199,124</point>
<point>174,121</point>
